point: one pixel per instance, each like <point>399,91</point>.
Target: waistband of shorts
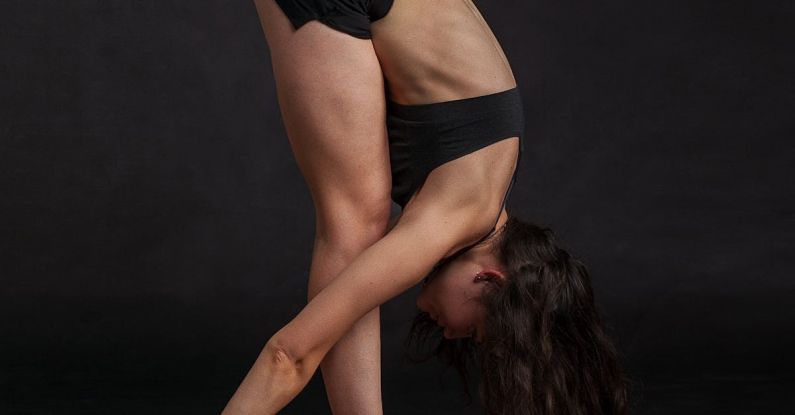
<point>508,99</point>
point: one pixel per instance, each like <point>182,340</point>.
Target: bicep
<point>387,268</point>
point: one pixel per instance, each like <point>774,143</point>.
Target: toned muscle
<point>331,94</point>
<point>387,268</point>
<point>441,50</point>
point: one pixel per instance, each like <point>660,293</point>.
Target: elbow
<point>279,360</point>
<point>280,354</point>
<point>293,355</point>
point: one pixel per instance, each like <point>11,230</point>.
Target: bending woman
<point>414,101</point>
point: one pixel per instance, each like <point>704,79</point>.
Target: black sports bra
<point>423,137</point>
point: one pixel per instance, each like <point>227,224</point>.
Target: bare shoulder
<point>454,208</point>
<point>462,199</point>
<point>390,266</point>
<point>456,215</point>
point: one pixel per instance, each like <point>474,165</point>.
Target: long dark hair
<point>545,350</point>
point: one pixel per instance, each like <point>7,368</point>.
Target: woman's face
<point>451,297</point>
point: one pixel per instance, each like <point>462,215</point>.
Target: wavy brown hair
<point>545,350</point>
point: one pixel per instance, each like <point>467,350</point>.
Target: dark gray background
<point>156,230</point>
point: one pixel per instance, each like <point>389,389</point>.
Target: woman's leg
<point>331,95</point>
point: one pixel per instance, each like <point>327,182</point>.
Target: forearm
<point>271,383</point>
<point>385,269</point>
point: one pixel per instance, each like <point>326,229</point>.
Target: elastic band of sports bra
<point>503,100</point>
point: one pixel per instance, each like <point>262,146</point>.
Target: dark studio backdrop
<point>155,230</point>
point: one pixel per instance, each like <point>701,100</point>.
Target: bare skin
<point>439,51</point>
<point>442,50</point>
<point>331,94</point>
<point>452,295</point>
<point>332,89</point>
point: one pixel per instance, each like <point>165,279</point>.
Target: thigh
<point>330,90</point>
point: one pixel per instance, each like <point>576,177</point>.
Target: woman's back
<point>441,50</point>
<point>432,53</point>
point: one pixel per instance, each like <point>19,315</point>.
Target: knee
<point>343,230</point>
<point>353,223</point>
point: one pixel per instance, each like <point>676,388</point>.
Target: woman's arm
<point>387,268</point>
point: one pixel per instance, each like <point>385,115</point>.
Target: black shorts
<point>348,16</point>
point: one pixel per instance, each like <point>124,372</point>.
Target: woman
<point>434,75</point>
